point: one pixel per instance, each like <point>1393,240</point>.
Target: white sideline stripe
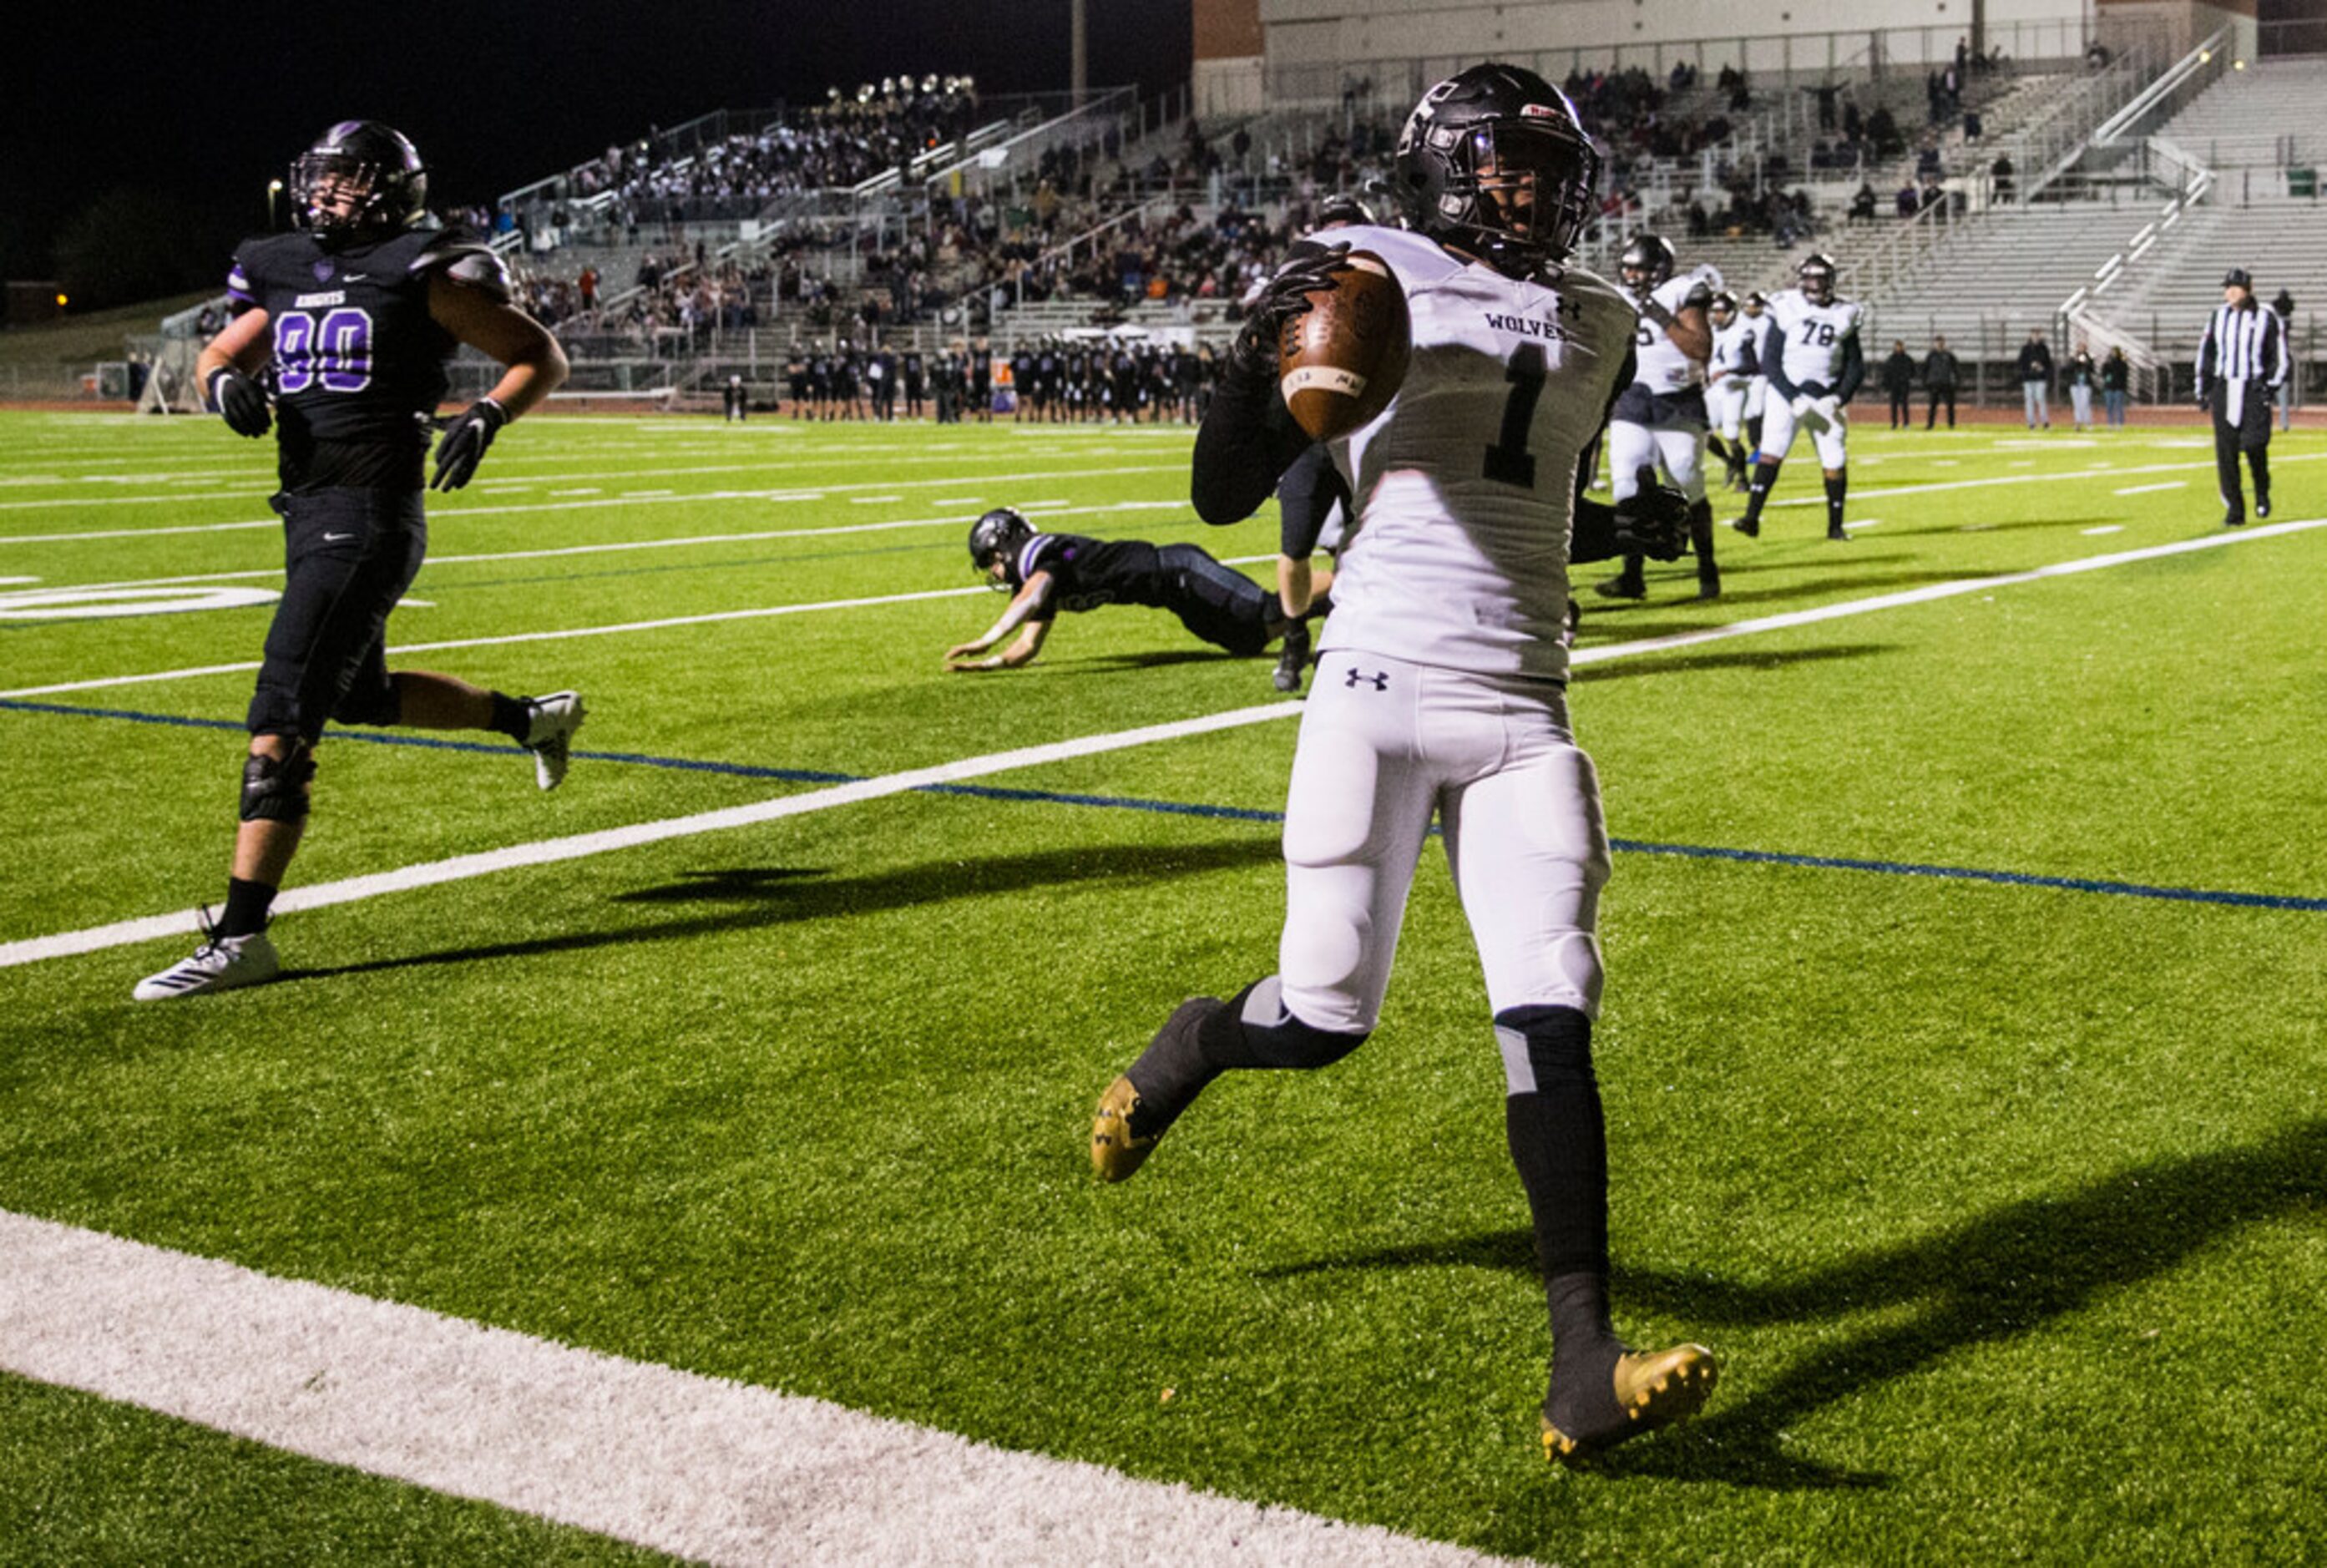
<point>444,514</point>
<point>320,895</point>
<point>618,545</point>
<point>2142,490</point>
<point>761,613</point>
<point>545,851</point>
<point>699,1467</point>
<point>2025,479</point>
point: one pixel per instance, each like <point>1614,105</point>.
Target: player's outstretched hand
<point>464,443</point>
<point>1285,299</point>
<point>240,402</point>
<point>1653,521</point>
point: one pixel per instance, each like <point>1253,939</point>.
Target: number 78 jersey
<point>1809,339</point>
<point>1464,487</point>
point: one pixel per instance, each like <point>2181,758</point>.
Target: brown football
<point>1339,361</point>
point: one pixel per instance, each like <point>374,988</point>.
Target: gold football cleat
<point>1115,1153</point>
<point>1655,1387</point>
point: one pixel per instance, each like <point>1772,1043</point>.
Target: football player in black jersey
<point>349,321</point>
<point>1045,573</point>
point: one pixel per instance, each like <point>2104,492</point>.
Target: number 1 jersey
<point>1464,487</point>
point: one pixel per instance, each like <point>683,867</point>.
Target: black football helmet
<point>1494,161</point>
<point>1646,262</point>
<point>1816,276</point>
<point>997,536</point>
<point>1343,209</point>
<point>364,159</point>
<point>1723,307</point>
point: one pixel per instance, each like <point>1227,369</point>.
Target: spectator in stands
<point>2001,173</point>
<point>1939,376</point>
<point>1909,202</point>
<point>1971,126</point>
<point>2036,381</point>
<point>1883,130</point>
<point>1899,381</point>
<point>2116,378</point>
<point>2083,374</point>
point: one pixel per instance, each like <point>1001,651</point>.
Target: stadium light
<point>62,302</point>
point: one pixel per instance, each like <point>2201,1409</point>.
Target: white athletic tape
<point>1330,378</point>
<point>698,1467</point>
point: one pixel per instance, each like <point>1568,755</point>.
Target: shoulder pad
<point>468,262</point>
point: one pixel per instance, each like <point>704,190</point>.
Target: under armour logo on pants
<point>1381,680</point>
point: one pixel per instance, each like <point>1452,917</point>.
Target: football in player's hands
<point>1653,521</point>
<point>1339,361</point>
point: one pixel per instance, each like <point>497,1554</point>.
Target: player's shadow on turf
<point>1736,658</point>
<point>1154,658</point>
<point>748,896</point>
<point>1991,1279</point>
<point>2017,524</point>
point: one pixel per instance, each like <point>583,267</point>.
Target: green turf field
<point>2001,1196</point>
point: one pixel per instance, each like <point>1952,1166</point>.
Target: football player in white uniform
<point>1734,371</point>
<point>1660,420</point>
<point>1441,690</point>
<point>1810,354</point>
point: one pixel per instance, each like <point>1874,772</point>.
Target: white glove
<point>1829,409</point>
<point>1806,413</point>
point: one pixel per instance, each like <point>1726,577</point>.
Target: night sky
<point>202,110</point>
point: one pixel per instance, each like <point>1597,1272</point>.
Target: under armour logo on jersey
<point>1380,678</point>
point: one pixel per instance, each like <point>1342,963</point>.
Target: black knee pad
<point>274,789</point>
<point>1269,1035</point>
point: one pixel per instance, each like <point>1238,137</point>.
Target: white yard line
<point>950,520</point>
<point>2142,490</point>
<point>698,1467</point>
<point>460,868</point>
<point>442,513</point>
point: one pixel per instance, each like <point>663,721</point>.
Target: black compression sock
<point>513,717</point>
<point>1836,487</point>
<point>1765,480</point>
<point>246,903</point>
<point>1320,607</point>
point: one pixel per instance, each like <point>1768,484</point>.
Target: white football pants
<point>1724,407</point>
<point>1777,434</point>
<point>1678,451</point>
<point>1384,746</point>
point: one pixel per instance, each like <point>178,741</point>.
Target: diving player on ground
<point>357,313</point>
<point>1045,573</point>
<point>1440,691</point>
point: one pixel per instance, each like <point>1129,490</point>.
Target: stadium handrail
<point>2195,71</point>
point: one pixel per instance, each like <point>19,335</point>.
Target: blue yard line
<point>1245,814</point>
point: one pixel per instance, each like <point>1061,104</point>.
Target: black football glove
<point>1286,298</point>
<point>239,401</point>
<point>464,443</point>
<point>1653,521</point>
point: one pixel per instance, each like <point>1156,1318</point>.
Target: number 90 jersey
<point>358,358</point>
<point>1464,487</point>
<point>1809,339</point>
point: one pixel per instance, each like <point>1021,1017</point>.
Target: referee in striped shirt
<point>2241,358</point>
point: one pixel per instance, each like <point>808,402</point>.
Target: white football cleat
<point>220,964</point>
<point>556,717</point>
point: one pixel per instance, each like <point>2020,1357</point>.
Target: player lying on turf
<point>1045,573</point>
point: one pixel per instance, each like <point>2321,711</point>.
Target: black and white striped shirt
<point>2242,343</point>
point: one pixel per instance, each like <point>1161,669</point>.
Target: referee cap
<point>2238,277</point>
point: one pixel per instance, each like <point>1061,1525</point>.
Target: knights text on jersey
<point>1811,338</point>
<point>1457,557</point>
<point>358,358</point>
